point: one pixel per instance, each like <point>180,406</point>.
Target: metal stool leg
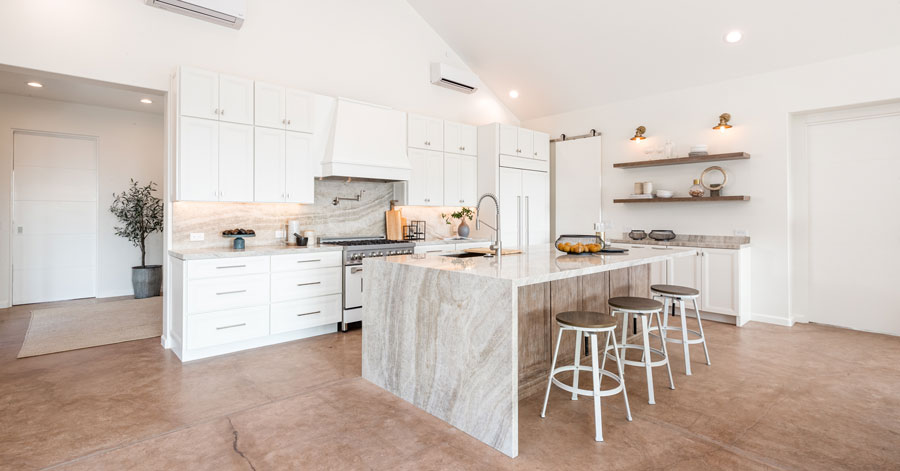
<point>646,358</point>
<point>625,318</point>
<point>702,335</point>
<point>552,367</point>
<point>605,348</point>
<point>595,372</point>
<point>662,340</point>
<point>665,326</point>
<point>621,375</point>
<point>577,364</point>
<point>684,338</point>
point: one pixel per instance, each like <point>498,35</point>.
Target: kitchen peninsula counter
<point>465,338</point>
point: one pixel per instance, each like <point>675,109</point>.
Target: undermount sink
<point>464,255</point>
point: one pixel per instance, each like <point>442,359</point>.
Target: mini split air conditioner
<point>224,12</point>
<point>453,78</point>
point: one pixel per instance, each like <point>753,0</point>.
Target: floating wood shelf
<point>684,160</point>
<point>687,199</point>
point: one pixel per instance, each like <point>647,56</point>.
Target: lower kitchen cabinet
<point>721,275</point>
<point>224,305</point>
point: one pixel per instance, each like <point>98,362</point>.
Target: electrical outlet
<point>742,232</point>
<point>196,236</point>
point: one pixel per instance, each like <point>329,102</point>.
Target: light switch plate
<point>196,236</point>
<point>741,232</point>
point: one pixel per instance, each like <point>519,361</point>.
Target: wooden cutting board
<point>486,250</point>
<point>393,224</point>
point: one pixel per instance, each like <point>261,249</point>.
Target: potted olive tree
<point>140,214</point>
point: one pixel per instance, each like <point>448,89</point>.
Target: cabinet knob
<point>463,147</point>
<point>222,112</point>
<point>535,153</point>
<point>518,151</point>
<point>216,111</point>
<point>283,121</point>
<point>289,122</point>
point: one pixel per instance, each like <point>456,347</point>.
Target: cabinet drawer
<point>227,267</point>
<point>230,292</point>
<point>434,248</point>
<point>313,312</point>
<point>216,328</point>
<point>304,284</point>
<point>306,261</point>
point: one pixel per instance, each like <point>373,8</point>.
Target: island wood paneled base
<point>540,303</point>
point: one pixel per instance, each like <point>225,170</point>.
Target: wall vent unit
<point>228,13</point>
<point>453,78</point>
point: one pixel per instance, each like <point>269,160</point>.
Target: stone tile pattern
<point>349,218</point>
<point>451,352</point>
<point>690,240</point>
<point>775,398</point>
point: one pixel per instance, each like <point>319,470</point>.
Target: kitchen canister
<point>639,188</point>
<point>648,188</point>
<point>293,228</point>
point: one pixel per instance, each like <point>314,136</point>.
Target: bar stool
<point>586,323</point>
<point>644,308</point>
<point>679,294</point>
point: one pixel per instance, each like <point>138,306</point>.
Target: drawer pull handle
<point>231,326</point>
<point>308,313</point>
<point>311,283</point>
<point>231,266</point>
<point>308,261</point>
<point>231,292</point>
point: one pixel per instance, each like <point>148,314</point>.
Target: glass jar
<point>696,190</point>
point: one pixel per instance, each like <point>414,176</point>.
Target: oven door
<point>353,286</point>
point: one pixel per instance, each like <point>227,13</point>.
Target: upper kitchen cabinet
<point>215,161</point>
<point>209,95</point>
<point>460,180</point>
<point>425,133</point>
<point>426,183</point>
<point>541,145</point>
<point>509,140</point>
<point>460,138</point>
<point>282,167</point>
<point>521,142</point>
<point>283,108</point>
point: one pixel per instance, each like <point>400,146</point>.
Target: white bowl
<point>664,193</point>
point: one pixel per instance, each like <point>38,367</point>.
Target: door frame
<point>799,188</point>
<point>12,200</point>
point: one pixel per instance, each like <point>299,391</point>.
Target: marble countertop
<point>449,241</point>
<point>690,240</point>
<point>217,252</point>
<point>538,264</point>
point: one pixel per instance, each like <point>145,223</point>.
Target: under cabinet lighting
<point>724,118</point>
<point>35,84</point>
<point>639,134</point>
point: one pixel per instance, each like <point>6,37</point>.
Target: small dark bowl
<point>301,241</point>
<point>662,234</point>
<point>637,235</point>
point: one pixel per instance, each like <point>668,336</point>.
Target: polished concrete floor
<point>807,397</point>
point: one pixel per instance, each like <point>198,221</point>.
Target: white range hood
<point>367,141</point>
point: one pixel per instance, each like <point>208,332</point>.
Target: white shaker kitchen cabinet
<point>270,106</point>
<point>425,133</point>
<point>198,160</point>
<point>299,110</point>
<point>460,138</point>
<point>687,271</point>
<point>426,183</point>
<point>460,180</point>
<point>719,291</point>
<point>298,168</point>
<point>541,146</point>
<point>235,166</point>
<point>536,209</point>
<point>511,202</point>
<point>268,166</point>
<point>526,143</point>
<point>235,99</point>
<point>198,93</point>
<point>509,140</point>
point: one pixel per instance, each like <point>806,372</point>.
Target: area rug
<point>89,325</point>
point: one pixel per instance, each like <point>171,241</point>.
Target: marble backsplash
<point>347,218</point>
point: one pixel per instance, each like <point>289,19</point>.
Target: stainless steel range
<point>355,250</point>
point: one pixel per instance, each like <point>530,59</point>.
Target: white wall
<point>761,107</point>
<point>377,51</point>
<point>131,145</point>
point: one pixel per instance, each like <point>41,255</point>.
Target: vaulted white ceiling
<point>566,55</point>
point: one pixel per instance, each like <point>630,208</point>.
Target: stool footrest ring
<point>672,339</point>
<point>586,392</point>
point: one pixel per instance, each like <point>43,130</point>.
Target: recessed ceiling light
<point>35,84</point>
<point>733,36</point>
<point>146,101</point>
<point>513,94</point>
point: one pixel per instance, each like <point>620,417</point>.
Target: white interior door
<point>575,200</point>
<point>854,187</point>
<point>54,217</point>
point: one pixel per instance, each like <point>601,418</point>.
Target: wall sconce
<point>639,134</point>
<point>724,118</point>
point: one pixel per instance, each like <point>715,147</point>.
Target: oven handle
<point>355,270</point>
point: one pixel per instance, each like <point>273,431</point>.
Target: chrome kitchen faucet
<point>496,246</point>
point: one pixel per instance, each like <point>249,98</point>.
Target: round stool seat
<point>586,320</point>
<point>632,303</point>
<point>675,290</point>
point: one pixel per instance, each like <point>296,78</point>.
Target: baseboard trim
<point>772,319</point>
